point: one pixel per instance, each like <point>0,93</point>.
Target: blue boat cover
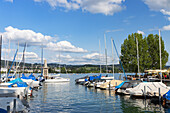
<point>11,76</point>
<point>16,80</point>
<point>86,80</point>
<point>29,77</point>
<point>32,77</point>
<point>3,110</point>
<point>167,95</point>
<point>91,78</point>
<point>19,83</point>
<point>120,85</point>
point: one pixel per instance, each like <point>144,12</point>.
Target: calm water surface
<point>72,98</point>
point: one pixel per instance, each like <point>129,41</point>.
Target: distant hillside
<point>87,68</point>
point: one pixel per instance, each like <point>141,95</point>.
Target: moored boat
<point>127,85</point>
<point>149,89</point>
<point>56,80</point>
<point>111,84</point>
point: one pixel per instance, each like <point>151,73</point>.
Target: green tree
<point>153,43</point>
<point>148,52</point>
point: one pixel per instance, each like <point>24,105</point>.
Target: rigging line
<point>119,59</point>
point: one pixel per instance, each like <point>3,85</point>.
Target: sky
<point>69,30</point>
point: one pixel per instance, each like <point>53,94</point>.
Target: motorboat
<point>148,89</point>
<point>129,84</point>
<point>56,79</point>
<point>80,80</point>
<point>110,84</point>
<point>99,83</point>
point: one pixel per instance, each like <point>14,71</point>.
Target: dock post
<point>14,108</point>
<point>159,94</point>
<point>144,92</point>
<point>18,96</point>
<point>8,109</point>
<point>109,85</point>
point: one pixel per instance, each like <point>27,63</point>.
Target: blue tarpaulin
<point>29,77</point>
<point>16,80</point>
<point>91,78</point>
<point>167,95</point>
<point>19,83</point>
<point>11,76</point>
<point>32,77</point>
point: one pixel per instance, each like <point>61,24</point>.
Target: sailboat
<point>30,80</point>
<point>51,79</point>
<point>17,85</point>
<point>111,83</point>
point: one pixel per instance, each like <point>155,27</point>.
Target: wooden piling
<point>14,108</point>
<point>144,92</point>
<point>18,96</point>
<point>8,109</point>
<point>159,94</point>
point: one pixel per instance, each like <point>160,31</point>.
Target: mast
<point>24,58</point>
<point>59,63</point>
<point>160,53</point>
<point>42,61</point>
<point>100,57</point>
<point>105,53</point>
<point>112,56</point>
<point>137,55</point>
<point>0,55</point>
<point>12,62</point>
<point>7,60</point>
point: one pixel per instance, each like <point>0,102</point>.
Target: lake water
<point>72,98</point>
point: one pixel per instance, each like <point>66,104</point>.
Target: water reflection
<point>72,98</point>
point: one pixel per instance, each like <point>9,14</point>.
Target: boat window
<point>132,85</point>
<point>125,85</point>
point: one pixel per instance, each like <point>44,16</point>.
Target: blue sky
<point>74,27</point>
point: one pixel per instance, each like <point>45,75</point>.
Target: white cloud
<point>73,4</point>
<point>64,46</point>
<point>166,27</point>
<point>165,12</point>
<point>157,5</point>
<point>9,1</point>
<point>29,36</point>
<point>107,7</point>
<point>169,18</point>
<point>28,55</point>
<point>140,32</point>
<point>92,56</point>
<point>33,38</point>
